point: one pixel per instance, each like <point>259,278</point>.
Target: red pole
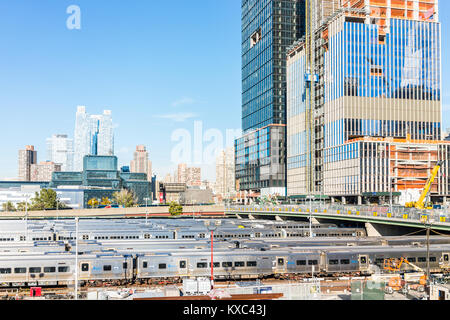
<point>212,262</point>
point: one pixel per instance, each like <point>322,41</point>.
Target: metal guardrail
<point>375,212</point>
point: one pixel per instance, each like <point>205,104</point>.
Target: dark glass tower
<point>269,27</point>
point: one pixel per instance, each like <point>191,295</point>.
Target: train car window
<point>239,263</point>
<point>63,269</point>
<point>182,264</point>
<point>411,259</point>
<point>301,262</point>
<point>422,259</point>
<point>379,260</point>
<point>201,265</point>
<point>144,264</point>
<point>312,262</point>
<point>345,261</point>
<point>363,260</point>
<point>49,269</point>
<point>20,270</point>
<point>84,267</point>
<point>125,265</point>
<point>227,264</point>
<point>34,270</point>
<point>162,266</point>
<point>216,264</point>
<point>432,259</point>
<point>281,262</point>
<point>107,268</point>
<point>5,270</point>
<point>333,261</point>
<point>445,257</point>
<point>251,263</point>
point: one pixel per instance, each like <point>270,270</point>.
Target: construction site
<point>364,106</point>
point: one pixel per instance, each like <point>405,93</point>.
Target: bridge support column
<point>315,221</point>
<point>277,218</point>
<point>444,200</point>
<point>239,217</point>
<point>251,217</point>
<point>344,201</point>
<point>359,200</point>
<point>372,231</point>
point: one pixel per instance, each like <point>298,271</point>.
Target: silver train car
<point>49,268</point>
<point>107,229</point>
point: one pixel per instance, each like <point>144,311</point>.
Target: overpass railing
<point>374,212</point>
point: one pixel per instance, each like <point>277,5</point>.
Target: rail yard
<point>142,253</point>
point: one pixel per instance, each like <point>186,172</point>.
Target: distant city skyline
<point>147,85</point>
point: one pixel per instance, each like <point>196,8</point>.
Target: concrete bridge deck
<point>437,220</point>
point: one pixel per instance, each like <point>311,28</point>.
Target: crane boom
<point>419,204</point>
<point>426,190</point>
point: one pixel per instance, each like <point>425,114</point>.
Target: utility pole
<point>212,227</point>
<point>76,258</point>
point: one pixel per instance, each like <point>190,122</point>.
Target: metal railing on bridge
<point>373,212</point>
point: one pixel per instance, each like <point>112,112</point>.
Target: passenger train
<point>57,268</point>
<point>107,229</point>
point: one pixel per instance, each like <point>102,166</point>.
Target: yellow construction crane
<point>426,190</point>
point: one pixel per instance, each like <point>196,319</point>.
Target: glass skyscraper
<point>268,28</point>
<point>60,151</point>
<point>93,136</point>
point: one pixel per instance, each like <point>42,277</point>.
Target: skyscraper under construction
<point>364,101</point>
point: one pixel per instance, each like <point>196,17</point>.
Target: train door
<point>183,268</point>
<point>126,268</point>
<point>364,263</point>
<point>135,267</point>
<point>280,265</point>
<point>445,260</point>
<point>323,265</point>
<point>84,268</point>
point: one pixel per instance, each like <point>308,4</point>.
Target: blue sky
<point>158,65</point>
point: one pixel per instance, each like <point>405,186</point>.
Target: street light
<point>212,228</point>
<point>146,210</point>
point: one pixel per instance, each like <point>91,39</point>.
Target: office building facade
<point>260,161</point>
<point>60,151</point>
<point>366,121</point>
<point>100,177</point>
<point>268,28</point>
